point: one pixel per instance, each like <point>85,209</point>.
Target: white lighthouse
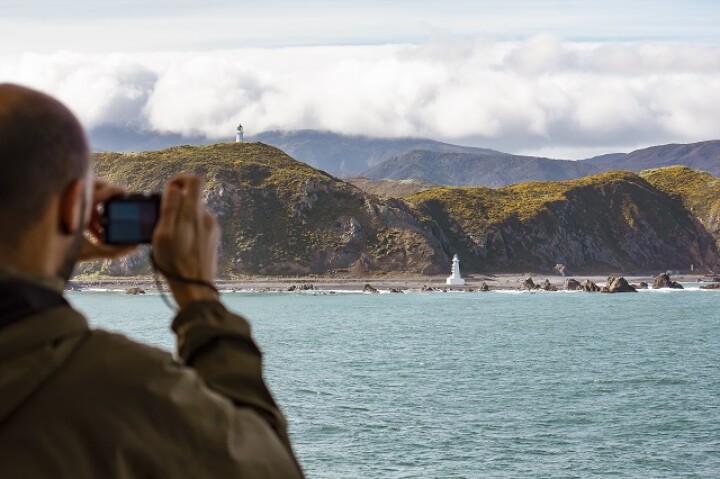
<point>239,135</point>
<point>455,279</point>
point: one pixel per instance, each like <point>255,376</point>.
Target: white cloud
<point>540,94</point>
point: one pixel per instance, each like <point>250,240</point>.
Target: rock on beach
<point>663,281</point>
<point>618,284</point>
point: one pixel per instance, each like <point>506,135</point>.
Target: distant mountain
<point>501,169</point>
<point>423,159</point>
<point>703,156</point>
<point>468,169</point>
<point>348,155</point>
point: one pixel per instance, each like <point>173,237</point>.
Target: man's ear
<point>71,207</point>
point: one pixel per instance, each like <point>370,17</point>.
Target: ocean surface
<point>480,385</point>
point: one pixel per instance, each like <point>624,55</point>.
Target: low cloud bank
<point>540,94</point>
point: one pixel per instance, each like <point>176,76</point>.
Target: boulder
<point>618,284</point>
<point>528,285</point>
<point>663,281</point>
<point>369,289</point>
<point>711,286</point>
<point>546,286</point>
<point>427,288</point>
<point>590,287</point>
<point>135,291</point>
<point>484,286</point>
<point>561,269</point>
<point>643,285</point>
<point>395,290</point>
<point>572,285</point>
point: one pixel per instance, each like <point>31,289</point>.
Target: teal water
<point>480,385</point>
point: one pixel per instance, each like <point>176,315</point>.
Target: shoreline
<point>499,282</point>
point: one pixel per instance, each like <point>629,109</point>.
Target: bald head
<point>42,150</point>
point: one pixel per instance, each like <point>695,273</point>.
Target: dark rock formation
<point>528,285</point>
<point>643,285</point>
<point>711,286</point>
<point>618,284</point>
<point>572,285</point>
<point>369,289</point>
<point>663,281</point>
<point>561,269</point>
<point>546,286</point>
<point>590,287</point>
<point>484,287</point>
<point>135,291</point>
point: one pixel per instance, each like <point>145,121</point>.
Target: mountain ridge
<point>282,217</point>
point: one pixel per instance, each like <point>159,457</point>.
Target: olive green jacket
<point>78,402</point>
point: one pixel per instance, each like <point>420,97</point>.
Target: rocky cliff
<point>615,221</point>
<point>283,217</point>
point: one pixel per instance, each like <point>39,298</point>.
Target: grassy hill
<point>282,217</point>
<point>615,221</point>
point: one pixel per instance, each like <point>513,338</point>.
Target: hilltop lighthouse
<point>455,279</point>
<point>239,135</point>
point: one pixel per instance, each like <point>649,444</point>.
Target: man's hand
<point>93,248</point>
<point>185,241</point>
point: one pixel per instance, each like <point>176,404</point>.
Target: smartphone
<point>130,219</point>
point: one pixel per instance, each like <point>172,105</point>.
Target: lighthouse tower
<point>455,279</point>
<point>239,135</point>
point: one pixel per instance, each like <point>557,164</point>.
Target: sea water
<point>480,385</point>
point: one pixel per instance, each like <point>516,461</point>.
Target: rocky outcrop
<point>590,287</point>
<point>135,291</point>
<point>642,285</point>
<point>369,289</point>
<point>546,286</point>
<point>528,285</point>
<point>663,281</point>
<point>618,284</point>
<point>614,221</point>
<point>282,217</point>
<point>711,286</point>
<point>572,285</point>
<point>484,287</point>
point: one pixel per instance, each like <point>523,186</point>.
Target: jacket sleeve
<point>218,345</point>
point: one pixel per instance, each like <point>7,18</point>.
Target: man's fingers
<point>169,206</point>
<point>192,199</point>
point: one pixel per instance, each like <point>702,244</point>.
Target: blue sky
<point>558,78</point>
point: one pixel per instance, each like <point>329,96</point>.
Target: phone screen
<point>131,219</point>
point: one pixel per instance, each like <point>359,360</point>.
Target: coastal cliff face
<point>282,217</point>
<point>610,222</point>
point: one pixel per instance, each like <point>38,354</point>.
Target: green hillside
<point>612,221</point>
<point>280,216</point>
<point>283,217</point>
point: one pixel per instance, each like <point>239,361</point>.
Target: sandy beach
<point>415,283</point>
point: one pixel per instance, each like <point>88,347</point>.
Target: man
<point>76,402</point>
